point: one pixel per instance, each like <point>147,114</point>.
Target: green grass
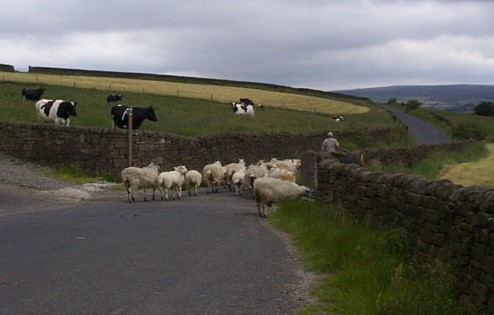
<point>71,174</point>
<point>435,163</point>
<point>185,116</point>
<point>366,269</point>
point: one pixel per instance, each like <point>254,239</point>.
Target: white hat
<point>330,134</point>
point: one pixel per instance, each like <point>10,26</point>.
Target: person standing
<point>330,144</point>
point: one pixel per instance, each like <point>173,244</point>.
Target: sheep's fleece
<point>271,190</point>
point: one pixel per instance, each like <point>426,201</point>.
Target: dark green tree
<point>392,101</point>
<point>411,105</point>
<point>484,108</point>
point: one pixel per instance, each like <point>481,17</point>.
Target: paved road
<point>209,254</point>
<point>423,131</point>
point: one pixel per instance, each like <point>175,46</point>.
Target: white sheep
<point>214,175</point>
<point>140,178</point>
<point>287,164</point>
<point>282,174</point>
<point>230,169</point>
<point>253,172</point>
<point>172,180</point>
<point>238,181</point>
<point>271,190</point>
<point>193,179</point>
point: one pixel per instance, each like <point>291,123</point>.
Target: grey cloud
<point>319,44</point>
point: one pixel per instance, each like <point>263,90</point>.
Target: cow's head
<point>71,108</point>
<point>151,115</point>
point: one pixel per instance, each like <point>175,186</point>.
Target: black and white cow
<point>242,109</point>
<point>247,101</point>
<point>338,118</point>
<point>58,111</point>
<point>33,94</point>
<point>119,115</point>
<point>113,98</point>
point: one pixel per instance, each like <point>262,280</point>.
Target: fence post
<point>129,128</point>
<point>308,169</point>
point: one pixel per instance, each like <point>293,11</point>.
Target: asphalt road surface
<point>210,254</point>
<point>422,131</point>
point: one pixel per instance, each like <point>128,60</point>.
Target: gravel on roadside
<point>28,176</point>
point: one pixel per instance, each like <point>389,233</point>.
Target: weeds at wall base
<point>368,270</point>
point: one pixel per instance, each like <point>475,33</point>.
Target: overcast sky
<point>327,45</point>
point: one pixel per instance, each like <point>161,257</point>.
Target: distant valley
<point>460,98</point>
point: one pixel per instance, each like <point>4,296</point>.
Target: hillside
<point>460,98</point>
<point>196,88</point>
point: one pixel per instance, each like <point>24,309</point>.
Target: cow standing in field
<point>242,109</point>
<point>33,94</point>
<point>120,118</point>
<point>58,111</point>
<point>114,98</point>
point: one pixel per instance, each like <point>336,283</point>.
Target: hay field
<point>200,91</point>
<point>474,173</point>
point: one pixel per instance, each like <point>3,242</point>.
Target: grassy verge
<point>71,174</point>
<point>444,164</point>
<point>367,270</point>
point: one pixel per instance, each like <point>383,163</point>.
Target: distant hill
<point>462,97</point>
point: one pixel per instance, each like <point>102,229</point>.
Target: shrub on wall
<point>465,131</point>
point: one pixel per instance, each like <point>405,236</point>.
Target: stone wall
<point>102,151</point>
<point>446,222</point>
<point>408,156</point>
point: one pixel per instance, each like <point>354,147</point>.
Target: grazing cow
<point>58,111</point>
<point>119,115</point>
<point>113,98</point>
<point>338,118</point>
<point>246,101</point>
<point>242,109</point>
<point>32,95</point>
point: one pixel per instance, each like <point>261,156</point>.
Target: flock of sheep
<point>269,182</point>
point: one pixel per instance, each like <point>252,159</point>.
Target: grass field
<point>218,93</point>
<point>190,116</point>
<point>472,173</point>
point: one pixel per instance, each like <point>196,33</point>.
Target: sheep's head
<point>181,169</point>
<point>307,192</point>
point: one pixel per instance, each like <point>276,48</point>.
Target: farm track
<point>39,208</point>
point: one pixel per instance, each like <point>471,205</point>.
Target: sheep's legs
<point>129,195</point>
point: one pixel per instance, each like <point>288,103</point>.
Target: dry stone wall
<point>103,151</point>
<point>446,222</point>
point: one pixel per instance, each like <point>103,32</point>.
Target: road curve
<point>422,131</point>
<point>210,254</point>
